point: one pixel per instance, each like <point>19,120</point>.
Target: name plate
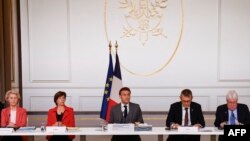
<point>121,127</point>
<point>6,130</point>
<point>187,129</point>
<point>56,129</point>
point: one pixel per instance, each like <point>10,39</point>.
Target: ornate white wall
<point>65,47</point>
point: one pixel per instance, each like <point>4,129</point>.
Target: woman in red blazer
<point>61,115</point>
<point>13,115</point>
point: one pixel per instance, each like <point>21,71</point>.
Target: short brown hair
<point>124,89</point>
<point>186,92</point>
<point>59,94</point>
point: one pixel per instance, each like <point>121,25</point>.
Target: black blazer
<point>134,114</point>
<point>221,114</point>
<point>175,114</point>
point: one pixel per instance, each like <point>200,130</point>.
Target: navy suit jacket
<point>175,114</point>
<point>221,114</point>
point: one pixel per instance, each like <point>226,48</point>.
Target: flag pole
<point>116,85</point>
<point>107,88</point>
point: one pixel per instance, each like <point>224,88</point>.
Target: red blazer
<point>21,117</point>
<point>68,118</point>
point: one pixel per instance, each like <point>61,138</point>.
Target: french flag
<point>116,86</point>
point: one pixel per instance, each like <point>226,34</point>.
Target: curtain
<point>9,42</point>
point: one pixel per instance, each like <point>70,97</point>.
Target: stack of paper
<point>28,128</point>
<point>73,129</point>
<point>143,127</point>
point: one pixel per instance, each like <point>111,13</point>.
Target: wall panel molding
<point>242,99</point>
<point>233,41</point>
<point>37,103</point>
<point>49,51</point>
<point>90,99</point>
<point>73,32</point>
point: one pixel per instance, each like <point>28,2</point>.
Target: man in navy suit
<point>185,113</point>
<point>232,113</point>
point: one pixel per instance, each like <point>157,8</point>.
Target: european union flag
<point>107,89</point>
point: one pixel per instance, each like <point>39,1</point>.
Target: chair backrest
<point>1,107</point>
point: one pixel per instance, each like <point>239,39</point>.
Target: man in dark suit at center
<point>185,113</point>
<point>126,112</point>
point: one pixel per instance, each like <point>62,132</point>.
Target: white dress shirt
<point>183,116</point>
<point>13,116</point>
<point>122,107</point>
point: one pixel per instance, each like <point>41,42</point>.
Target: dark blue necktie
<point>125,111</point>
<point>232,118</point>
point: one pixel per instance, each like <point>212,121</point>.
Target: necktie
<point>186,117</point>
<point>232,118</point>
<point>125,111</point>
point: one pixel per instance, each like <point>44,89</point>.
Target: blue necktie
<point>125,111</point>
<point>232,118</point>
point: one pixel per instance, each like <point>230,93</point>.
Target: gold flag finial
<point>110,45</point>
<point>116,45</point>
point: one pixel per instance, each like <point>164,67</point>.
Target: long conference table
<point>95,131</point>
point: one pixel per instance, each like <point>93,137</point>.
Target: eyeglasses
<point>186,101</point>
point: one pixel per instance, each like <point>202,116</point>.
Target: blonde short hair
<point>15,92</point>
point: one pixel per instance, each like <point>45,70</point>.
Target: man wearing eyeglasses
<point>185,113</point>
<point>231,113</point>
